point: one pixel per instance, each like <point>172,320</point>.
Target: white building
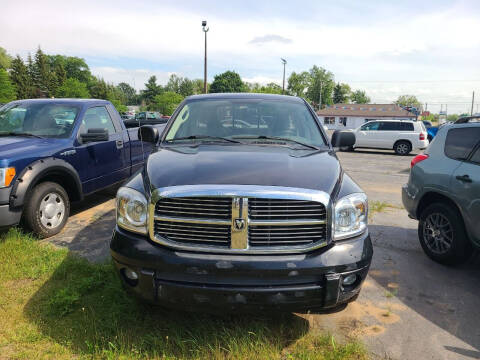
<point>351,116</point>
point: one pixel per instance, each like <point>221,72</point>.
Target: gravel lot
<point>409,308</point>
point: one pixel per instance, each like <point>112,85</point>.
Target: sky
<point>428,48</point>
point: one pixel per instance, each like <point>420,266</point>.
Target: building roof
<point>365,110</point>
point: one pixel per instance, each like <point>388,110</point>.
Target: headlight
<point>350,216</point>
<point>132,210</point>
<point>6,176</point>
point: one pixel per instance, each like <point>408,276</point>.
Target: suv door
<point>365,135</point>
<point>387,134</point>
<point>104,160</point>
<point>465,181</point>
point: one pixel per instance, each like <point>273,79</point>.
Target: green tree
<point>73,88</point>
<point>359,97</point>
<point>298,83</point>
<point>320,79</point>
<point>151,90</point>
<point>452,117</point>
<point>270,88</point>
<point>341,94</point>
<point>97,88</point>
<point>7,90</point>
<point>173,84</point>
<point>5,59</point>
<point>186,87</point>
<point>227,82</point>
<point>198,86</point>
<point>20,78</point>
<point>42,79</point>
<point>74,67</point>
<point>128,93</point>
<point>166,102</point>
<point>409,100</point>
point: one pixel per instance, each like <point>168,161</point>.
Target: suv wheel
<point>442,234</point>
<point>402,148</point>
<point>47,209</point>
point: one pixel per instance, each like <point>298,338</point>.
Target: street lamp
<point>284,62</point>
<point>205,30</point>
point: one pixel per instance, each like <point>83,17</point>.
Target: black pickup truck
<point>243,206</point>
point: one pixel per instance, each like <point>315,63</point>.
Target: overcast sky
<point>427,48</point>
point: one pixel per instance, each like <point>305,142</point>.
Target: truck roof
<point>66,101</point>
<point>218,96</point>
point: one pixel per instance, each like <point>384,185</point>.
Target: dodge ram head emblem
<point>239,224</point>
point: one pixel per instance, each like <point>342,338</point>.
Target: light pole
<point>284,62</point>
<point>205,30</point>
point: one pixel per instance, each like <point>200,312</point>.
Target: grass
<point>375,207</point>
<point>54,305</point>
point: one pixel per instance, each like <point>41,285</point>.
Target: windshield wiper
<point>207,137</point>
<point>11,133</point>
<point>277,138</point>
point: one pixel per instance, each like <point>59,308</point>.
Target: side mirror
<point>342,138</point>
<point>148,133</point>
<point>94,135</point>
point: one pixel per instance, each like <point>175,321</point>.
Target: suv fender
<point>47,169</point>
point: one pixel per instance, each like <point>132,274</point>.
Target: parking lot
<point>409,308</point>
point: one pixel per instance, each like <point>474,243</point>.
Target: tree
<point>270,88</point>
<point>166,102</point>
<point>198,86</point>
<point>5,59</point>
<point>7,90</point>
<point>409,100</point>
<point>152,90</point>
<point>173,84</point>
<point>74,67</point>
<point>186,87</point>
<point>298,83</point>
<point>341,93</point>
<point>227,82</point>
<point>73,88</point>
<point>97,88</point>
<point>20,78</point>
<point>320,79</point>
<point>128,93</point>
<point>359,97</point>
<point>42,79</point>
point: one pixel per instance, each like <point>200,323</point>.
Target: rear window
<point>460,142</point>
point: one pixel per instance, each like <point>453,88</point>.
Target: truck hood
<point>15,147</point>
<point>244,165</point>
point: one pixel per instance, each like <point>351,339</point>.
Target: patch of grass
<point>375,206</point>
<point>58,306</point>
<point>391,294</point>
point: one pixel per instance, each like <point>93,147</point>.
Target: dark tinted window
<point>460,142</point>
<point>476,156</point>
<point>389,126</point>
<point>406,126</point>
<point>371,126</point>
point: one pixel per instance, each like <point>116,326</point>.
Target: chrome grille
<point>286,235</point>
<point>239,218</point>
<point>279,209</point>
<point>195,207</point>
<point>195,234</point>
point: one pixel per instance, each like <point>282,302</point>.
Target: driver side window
<point>97,118</point>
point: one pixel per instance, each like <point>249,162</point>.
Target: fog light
<point>349,280</point>
<point>130,274</point>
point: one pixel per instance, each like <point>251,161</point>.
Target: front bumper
<point>9,217</point>
<point>199,281</point>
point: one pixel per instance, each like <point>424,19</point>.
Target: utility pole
<point>473,99</point>
<point>205,30</point>
<point>284,62</point>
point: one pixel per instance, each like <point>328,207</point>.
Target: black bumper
<point>195,281</point>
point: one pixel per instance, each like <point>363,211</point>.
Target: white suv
<point>402,136</point>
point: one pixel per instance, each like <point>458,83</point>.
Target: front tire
<point>442,235</point>
<point>402,148</point>
<point>47,209</point>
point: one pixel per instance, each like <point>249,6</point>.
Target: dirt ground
<point>409,308</point>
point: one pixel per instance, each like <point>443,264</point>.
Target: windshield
<point>39,119</point>
<point>232,118</point>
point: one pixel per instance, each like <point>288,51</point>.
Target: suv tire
<point>402,147</point>
<point>46,209</point>
<point>442,234</point>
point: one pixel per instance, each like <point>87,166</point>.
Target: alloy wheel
<point>438,233</point>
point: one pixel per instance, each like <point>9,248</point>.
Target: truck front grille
<point>239,224</point>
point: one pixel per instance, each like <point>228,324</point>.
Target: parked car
<point>443,193</point>
<point>431,130</point>
<point>255,218</point>
<point>402,136</point>
<point>57,151</point>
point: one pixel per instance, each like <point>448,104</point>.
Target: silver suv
<point>443,192</point>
